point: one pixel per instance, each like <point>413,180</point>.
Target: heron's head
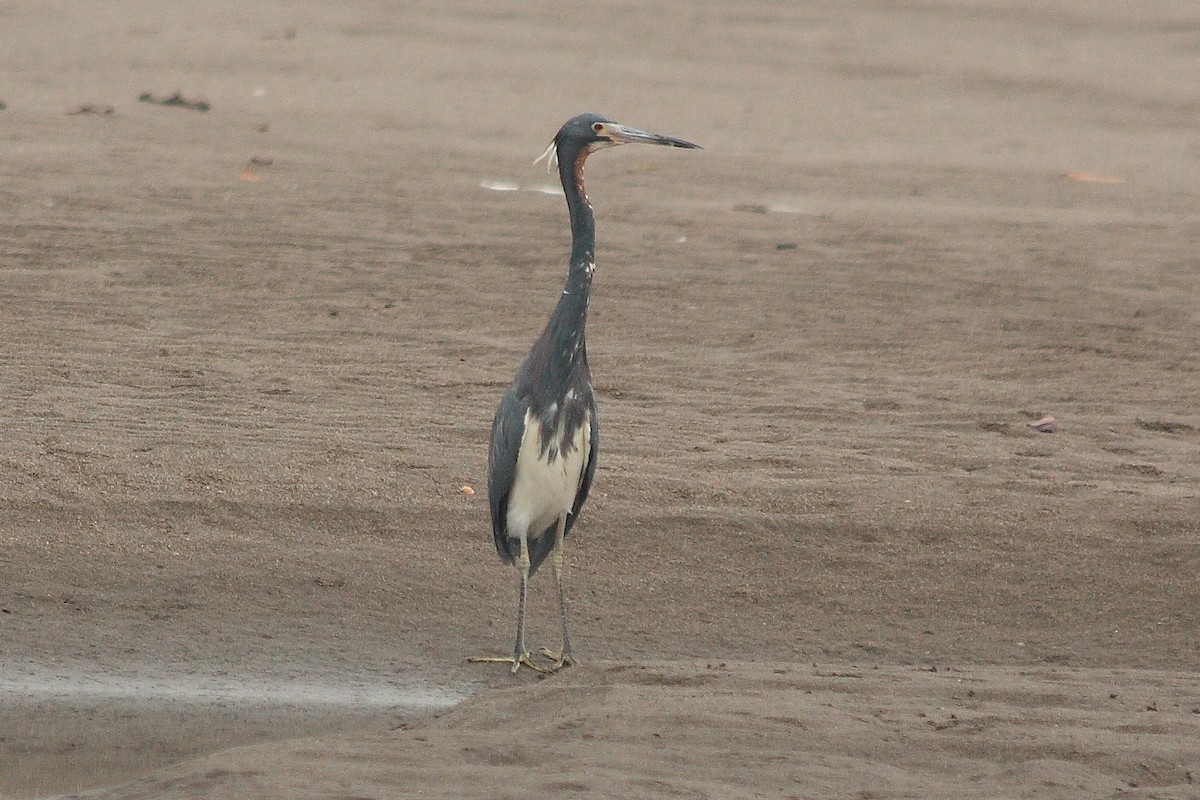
<point>586,133</point>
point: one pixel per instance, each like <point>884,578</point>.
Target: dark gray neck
<point>583,222</point>
<point>559,356</point>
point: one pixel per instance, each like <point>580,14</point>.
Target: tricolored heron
<point>545,434</point>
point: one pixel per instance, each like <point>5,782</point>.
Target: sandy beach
<point>253,338</point>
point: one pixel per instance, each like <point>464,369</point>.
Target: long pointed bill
<point>626,135</point>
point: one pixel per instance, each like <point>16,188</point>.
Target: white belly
<point>545,489</point>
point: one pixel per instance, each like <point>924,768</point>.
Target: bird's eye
<point>597,126</point>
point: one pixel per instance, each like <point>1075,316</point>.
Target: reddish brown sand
<point>825,556</point>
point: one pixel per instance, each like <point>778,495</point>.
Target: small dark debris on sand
<point>248,173</point>
<point>1163,426</point>
<point>3,105</point>
<point>177,100</point>
<point>91,108</point>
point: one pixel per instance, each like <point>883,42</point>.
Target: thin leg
<point>563,657</point>
<point>521,656</point>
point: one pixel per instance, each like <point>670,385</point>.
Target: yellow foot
<point>560,660</point>
<point>524,660</point>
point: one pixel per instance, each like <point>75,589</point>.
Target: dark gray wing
<point>508,428</point>
<point>589,471</point>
